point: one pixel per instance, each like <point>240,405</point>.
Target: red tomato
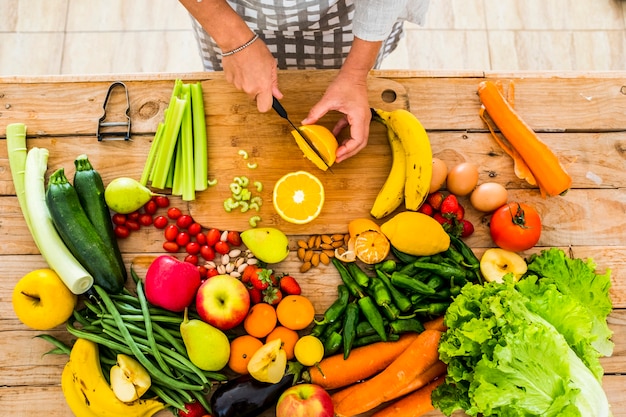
<point>515,227</point>
<point>194,229</point>
<point>160,222</point>
<point>233,238</point>
<point>174,213</point>
<point>222,247</point>
<point>171,232</point>
<point>132,225</point>
<point>150,207</point>
<point>213,236</point>
<point>184,221</point>
<point>183,238</point>
<point>162,201</point>
<point>118,219</point>
<point>192,248</point>
<point>121,231</point>
<point>200,237</point>
<point>207,252</point>
<point>145,219</point>
<point>170,247</point>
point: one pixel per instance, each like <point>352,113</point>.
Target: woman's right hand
<point>253,71</point>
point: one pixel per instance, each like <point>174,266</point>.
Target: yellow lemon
<point>416,234</point>
<point>322,139</point>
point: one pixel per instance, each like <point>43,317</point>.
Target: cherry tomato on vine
<point>515,227</point>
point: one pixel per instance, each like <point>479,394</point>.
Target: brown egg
<point>488,197</point>
<point>462,178</point>
<point>440,171</point>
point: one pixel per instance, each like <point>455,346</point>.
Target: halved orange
<point>371,246</point>
<point>298,197</point>
<point>322,139</point>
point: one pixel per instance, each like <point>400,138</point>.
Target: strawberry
<point>290,286</point>
<point>460,213</point>
<point>442,220</point>
<point>263,278</point>
<point>426,209</point>
<point>256,295</point>
<point>449,206</point>
<point>435,199</point>
<point>468,228</point>
<point>272,295</point>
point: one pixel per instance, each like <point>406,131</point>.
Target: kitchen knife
<point>283,113</point>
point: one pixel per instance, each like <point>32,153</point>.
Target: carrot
<point>336,372</point>
<point>546,169</point>
<point>415,404</point>
<point>421,354</point>
<point>436,324</point>
<point>437,370</point>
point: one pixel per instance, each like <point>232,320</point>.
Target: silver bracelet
<point>242,47</point>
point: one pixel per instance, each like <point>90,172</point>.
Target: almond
<point>305,266</point>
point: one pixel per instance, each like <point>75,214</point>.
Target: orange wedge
<point>298,197</point>
<point>323,140</point>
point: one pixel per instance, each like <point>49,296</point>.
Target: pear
<point>125,195</point>
<point>496,263</point>
<point>267,244</point>
<point>129,379</point>
<point>207,347</point>
<point>268,363</point>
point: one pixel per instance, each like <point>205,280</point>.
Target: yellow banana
<point>419,156</point>
<point>88,393</point>
<point>391,193</point>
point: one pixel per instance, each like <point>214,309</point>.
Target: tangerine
<point>241,350</point>
<point>260,321</point>
<point>295,312</point>
<point>298,197</point>
<point>371,246</point>
<point>287,336</point>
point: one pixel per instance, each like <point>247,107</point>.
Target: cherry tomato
<point>121,231</point>
<point>133,216</point>
<point>515,227</point>
<point>145,219</point>
<point>213,236</point>
<point>192,259</point>
<point>184,221</point>
<point>194,229</point>
<point>171,247</point>
<point>200,238</point>
<point>118,219</point>
<point>222,247</point>
<point>160,222</point>
<point>171,232</point>
<point>207,252</point>
<point>150,207</point>
<point>162,201</point>
<point>174,213</point>
<point>192,248</point>
<point>203,270</point>
<point>183,238</point>
<point>233,238</point>
<point>211,272</point>
<point>132,225</point>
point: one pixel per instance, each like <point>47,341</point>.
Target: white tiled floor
<point>43,37</point>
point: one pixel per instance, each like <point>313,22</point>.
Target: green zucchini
<point>90,189</point>
<point>80,235</point>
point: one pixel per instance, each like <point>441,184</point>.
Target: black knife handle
<point>279,108</point>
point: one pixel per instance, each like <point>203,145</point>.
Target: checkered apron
<point>301,34</point>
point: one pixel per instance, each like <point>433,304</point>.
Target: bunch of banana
<point>88,393</point>
<point>412,166</point>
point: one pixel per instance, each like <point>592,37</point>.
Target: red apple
<point>222,301</point>
<point>171,284</point>
<point>305,400</point>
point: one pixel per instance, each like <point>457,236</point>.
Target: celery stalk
<point>168,142</point>
<point>175,176</point>
<point>187,140</point>
<point>152,153</point>
<point>199,138</point>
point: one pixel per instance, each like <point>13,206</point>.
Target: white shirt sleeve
<point>374,19</point>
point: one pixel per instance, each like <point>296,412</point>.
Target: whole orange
<point>295,312</point>
<point>241,350</point>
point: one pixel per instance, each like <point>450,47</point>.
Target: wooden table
<point>581,116</point>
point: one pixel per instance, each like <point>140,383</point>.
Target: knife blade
<point>280,110</point>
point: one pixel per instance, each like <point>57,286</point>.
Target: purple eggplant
<point>244,396</point>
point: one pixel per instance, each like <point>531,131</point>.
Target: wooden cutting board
<point>351,187</point>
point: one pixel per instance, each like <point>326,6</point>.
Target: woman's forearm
<point>220,21</point>
<point>361,58</point>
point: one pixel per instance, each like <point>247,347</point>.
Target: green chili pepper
<point>411,284</point>
<point>446,271</point>
<point>347,279</point>
<point>436,282</point>
<point>406,326</point>
<point>337,308</point>
<point>468,254</point>
<point>332,344</point>
<point>350,322</point>
<point>358,275</point>
<point>387,266</point>
<point>433,309</point>
<point>405,258</point>
<point>330,328</point>
<point>401,301</point>
<point>318,329</point>
<point>368,340</point>
<point>364,328</point>
<point>382,297</point>
<point>373,316</point>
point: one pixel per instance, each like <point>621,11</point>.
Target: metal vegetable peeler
<point>103,131</point>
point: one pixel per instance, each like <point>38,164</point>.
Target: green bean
<point>168,397</point>
<point>96,338</point>
<point>148,323</point>
<point>160,375</point>
<point>201,398</point>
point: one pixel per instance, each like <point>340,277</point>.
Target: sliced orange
<point>371,246</point>
<point>298,197</point>
<point>322,139</point>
